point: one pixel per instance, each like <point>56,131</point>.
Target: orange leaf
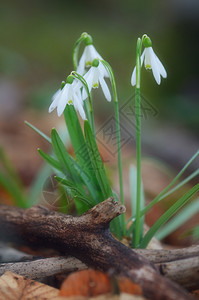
<point>87,283</point>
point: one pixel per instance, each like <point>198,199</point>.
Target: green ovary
<point>148,67</point>
<point>95,85</point>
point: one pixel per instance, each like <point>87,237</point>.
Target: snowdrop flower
<point>89,54</point>
<point>94,77</point>
<point>69,94</point>
<point>151,62</point>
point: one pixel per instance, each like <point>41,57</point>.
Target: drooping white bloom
<point>151,62</point>
<point>70,95</point>
<point>95,77</point>
<point>89,54</point>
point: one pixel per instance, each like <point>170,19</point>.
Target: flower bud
<point>63,83</point>
<point>95,63</point>
<point>88,40</point>
<point>146,41</point>
<point>69,79</point>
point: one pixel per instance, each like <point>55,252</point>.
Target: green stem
<point>76,49</point>
<point>119,160</point>
<point>138,144</point>
<point>92,122</point>
<point>116,107</point>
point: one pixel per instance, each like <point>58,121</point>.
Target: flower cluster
<point>74,92</point>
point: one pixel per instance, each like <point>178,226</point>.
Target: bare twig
<point>163,255</point>
<point>183,271</point>
<point>45,267</point>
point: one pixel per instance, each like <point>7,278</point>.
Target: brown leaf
<point>87,283</point>
<point>16,287</point>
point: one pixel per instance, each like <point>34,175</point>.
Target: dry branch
<point>45,267</point>
<point>164,255</point>
<point>88,238</point>
<point>185,272</point>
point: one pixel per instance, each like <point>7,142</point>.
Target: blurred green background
<point>37,37</point>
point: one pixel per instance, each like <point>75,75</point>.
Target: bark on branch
<point>88,238</point>
<point>184,271</point>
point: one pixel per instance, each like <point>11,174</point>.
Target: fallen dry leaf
<point>16,287</point>
<point>86,283</point>
<point>92,283</point>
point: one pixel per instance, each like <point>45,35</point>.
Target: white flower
<point>70,94</point>
<point>151,62</point>
<point>94,77</point>
<point>89,54</point>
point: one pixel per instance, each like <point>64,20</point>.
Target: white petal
<point>133,77</point>
<point>161,67</point>
<point>102,70</point>
<point>154,66</point>
<point>105,89</point>
<point>89,79</point>
<point>93,53</point>
<point>55,101</point>
<point>82,62</point>
<point>61,107</point>
<point>78,104</point>
<point>96,75</point>
<point>63,100</point>
<point>148,53</point>
<point>142,57</point>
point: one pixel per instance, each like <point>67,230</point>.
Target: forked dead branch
<point>87,238</point>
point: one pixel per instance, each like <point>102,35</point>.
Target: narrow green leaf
<point>79,146</point>
<point>116,223</point>
<point>38,131</point>
<point>14,190</point>
<point>63,157</point>
<point>160,196</point>
<point>185,214</point>
<point>95,194</point>
<point>96,161</point>
<point>77,139</point>
<point>167,215</point>
<point>73,188</point>
<point>9,168</point>
<point>50,160</point>
<point>38,183</point>
<point>67,166</point>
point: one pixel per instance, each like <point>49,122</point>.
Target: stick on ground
<point>88,238</point>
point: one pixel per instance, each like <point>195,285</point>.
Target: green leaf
<point>185,214</point>
<point>14,190</point>
<point>160,196</point>
<point>78,143</point>
<point>38,131</point>
<point>95,194</point>
<point>38,183</point>
<point>78,193</point>
<point>9,168</point>
<point>50,160</point>
<point>96,161</point>
<point>167,215</point>
<point>67,166</point>
<point>63,157</point>
<point>116,223</point>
